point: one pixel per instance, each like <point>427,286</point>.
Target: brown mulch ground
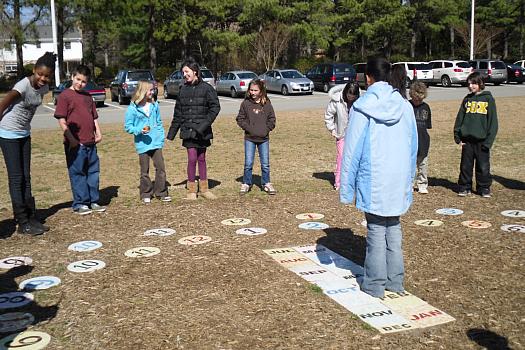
<point>228,294</point>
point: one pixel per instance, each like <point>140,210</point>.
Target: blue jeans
<point>384,256</point>
<point>264,157</point>
<point>84,170</point>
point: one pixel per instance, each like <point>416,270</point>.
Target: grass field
<point>228,294</point>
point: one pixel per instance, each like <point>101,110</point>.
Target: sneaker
<point>464,193</point>
<point>268,188</point>
<point>423,190</point>
<point>98,208</point>
<point>82,210</point>
<point>29,229</point>
<point>245,188</point>
<point>485,193</point>
<point>165,199</point>
<point>146,200</point>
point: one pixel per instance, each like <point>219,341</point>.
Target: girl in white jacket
<point>336,119</point>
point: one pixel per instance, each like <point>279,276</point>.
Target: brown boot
<point>192,190</point>
<point>204,191</point>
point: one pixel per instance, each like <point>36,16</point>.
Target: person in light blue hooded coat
<point>379,161</point>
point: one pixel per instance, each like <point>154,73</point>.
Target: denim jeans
<point>17,156</point>
<point>84,170</point>
<point>264,157</point>
<point>384,256</point>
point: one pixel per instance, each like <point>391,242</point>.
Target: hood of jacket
<point>336,93</point>
<point>381,102</point>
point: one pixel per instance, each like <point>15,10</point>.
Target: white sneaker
<point>165,199</point>
<point>268,188</point>
<point>423,190</point>
<point>245,188</point>
<point>146,200</point>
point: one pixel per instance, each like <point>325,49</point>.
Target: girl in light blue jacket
<point>143,121</point>
<point>379,160</point>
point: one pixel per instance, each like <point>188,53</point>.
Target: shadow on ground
<point>488,339</point>
<point>325,175</point>
<point>509,183</point>
<point>344,242</point>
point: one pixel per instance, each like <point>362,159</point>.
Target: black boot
<point>34,222</point>
<point>31,212</point>
<point>28,229</point>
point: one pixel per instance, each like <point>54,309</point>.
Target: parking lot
<point>112,112</point>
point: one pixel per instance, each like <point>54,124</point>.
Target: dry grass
<point>228,294</point>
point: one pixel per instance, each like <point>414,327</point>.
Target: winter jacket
<point>135,121</point>
<point>477,119</point>
<point>379,158</point>
<point>196,108</point>
<point>336,114</point>
<point>256,120</point>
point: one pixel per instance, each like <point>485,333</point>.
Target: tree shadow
<point>256,181</point>
<point>438,182</point>
<point>9,284</point>
<point>488,339</point>
<point>325,175</point>
<point>509,183</point>
<point>344,242</point>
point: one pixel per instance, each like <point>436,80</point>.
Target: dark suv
<point>493,71</point>
<point>125,83</point>
<point>327,75</point>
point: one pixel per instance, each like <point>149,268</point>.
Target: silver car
<point>287,81</point>
<point>175,80</point>
<point>235,83</point>
<point>448,72</point>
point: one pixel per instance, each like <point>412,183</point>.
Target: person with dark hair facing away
<point>257,118</point>
<point>196,108</point>
<point>78,119</point>
<point>17,109</point>
<point>336,120</point>
<point>398,79</point>
<point>379,161</point>
<point>475,129</point>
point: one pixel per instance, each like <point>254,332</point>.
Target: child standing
<point>336,119</point>
<point>17,109</point>
<point>418,92</point>
<point>143,121</point>
<point>195,110</point>
<point>257,118</point>
<point>78,119</point>
<point>475,130</point>
<point>378,167</point>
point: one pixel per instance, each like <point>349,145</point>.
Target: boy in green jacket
<point>475,130</point>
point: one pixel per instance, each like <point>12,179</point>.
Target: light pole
<point>55,42</point>
<point>472,31</point>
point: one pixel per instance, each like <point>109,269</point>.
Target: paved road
<point>114,113</point>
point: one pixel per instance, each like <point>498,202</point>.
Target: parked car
<point>327,75</point>
<point>520,63</point>
<point>287,81</point>
<point>515,73</point>
<point>493,71</point>
<point>421,71</point>
<point>448,72</point>
<point>235,83</point>
<point>98,93</point>
<point>125,83</point>
<point>360,74</point>
<point>175,80</point>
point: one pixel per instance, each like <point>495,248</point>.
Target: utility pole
<point>55,41</point>
<point>472,30</point>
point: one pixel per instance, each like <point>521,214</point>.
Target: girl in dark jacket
<point>196,108</point>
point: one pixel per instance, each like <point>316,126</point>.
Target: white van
<point>448,72</point>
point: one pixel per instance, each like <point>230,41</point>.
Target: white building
<point>36,47</point>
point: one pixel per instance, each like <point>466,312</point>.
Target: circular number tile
<point>85,246</point>
<point>251,231</point>
<point>160,232</point>
<point>449,211</point>
<point>15,299</point>
<point>476,224</point>
<point>236,221</point>
<point>513,228</point>
<point>142,252</point>
<point>14,261</point>
<point>192,240</point>
<point>29,340</point>
<point>309,216</point>
<point>514,213</point>
<point>86,266</point>
<point>313,225</point>
<point>15,321</point>
<point>429,223</point>
<point>41,282</point>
